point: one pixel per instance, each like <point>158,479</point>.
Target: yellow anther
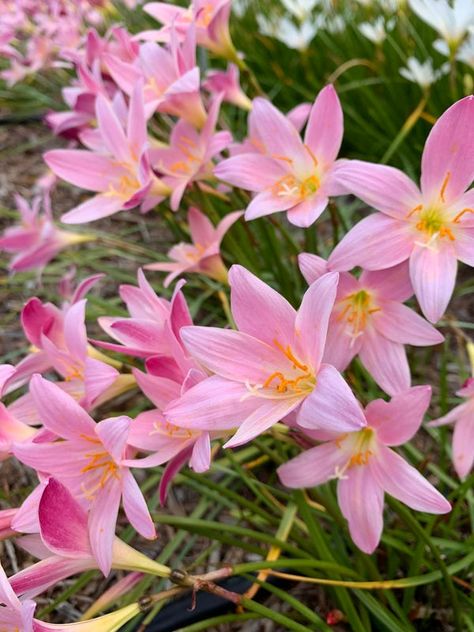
<point>444,186</point>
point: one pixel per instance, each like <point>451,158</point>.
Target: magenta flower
<point>37,240</point>
<point>370,320</point>
<point>88,459</point>
<point>226,82</point>
<point>286,173</point>
<point>189,156</point>
<point>123,178</point>
<point>269,368</point>
<point>203,255</point>
<point>366,466</point>
<point>463,437</point>
<point>432,227</point>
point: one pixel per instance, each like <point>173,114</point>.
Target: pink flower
<point>210,18</point>
<point>370,320</point>
<point>286,173</point>
<point>203,255</point>
<point>88,459</point>
<point>366,467</point>
<point>170,76</point>
<point>269,368</point>
<point>37,240</point>
<point>12,430</point>
<point>432,227</point>
<point>227,83</point>
<point>189,156</point>
<point>123,178</point>
<point>463,437</point>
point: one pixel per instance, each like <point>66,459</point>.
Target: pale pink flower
<point>366,466</point>
<point>269,368</point>
<point>88,459</point>
<point>432,227</point>
<point>287,173</point>
<point>463,437</point>
<point>37,240</point>
<point>226,82</point>
<point>203,255</point>
<point>12,430</point>
<point>123,178</point>
<point>370,320</point>
<point>189,156</point>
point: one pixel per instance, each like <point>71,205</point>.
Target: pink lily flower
<point>65,546</point>
<point>203,255</point>
<point>170,77</point>
<point>88,459</point>
<point>463,437</point>
<point>370,320</point>
<point>433,226</point>
<point>226,82</point>
<point>210,18</point>
<point>146,333</point>
<point>286,173</point>
<point>268,368</point>
<point>123,179</point>
<point>12,430</point>
<point>366,466</point>
<point>37,240</point>
<point>189,155</point>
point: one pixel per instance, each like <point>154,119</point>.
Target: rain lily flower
<point>301,9</point>
<point>366,466</point>
<point>210,18</point>
<point>268,368</point>
<point>376,32</point>
<point>203,255</point>
<point>189,156</point>
<point>370,320</point>
<point>286,173</point>
<point>123,179</point>
<point>432,227</point>
<point>463,437</point>
<point>286,31</point>
<point>37,240</point>
<point>226,82</point>
<point>451,20</point>
<point>422,73</point>
<point>88,459</point>
<point>12,430</point>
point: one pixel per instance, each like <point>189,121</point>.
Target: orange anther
<point>444,186</point>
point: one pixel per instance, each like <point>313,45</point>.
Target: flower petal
<point>312,467</point>
<point>463,445</point>
<point>386,362</point>
<point>399,323</point>
<point>96,207</point>
<point>102,520</point>
<point>325,126</point>
<point>253,172</point>
<point>135,506</point>
<point>201,457</point>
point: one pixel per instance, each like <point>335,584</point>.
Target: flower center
<point>359,446</point>
<point>291,185</point>
<point>167,429</point>
<point>301,381</point>
<point>100,469</point>
<point>356,310</point>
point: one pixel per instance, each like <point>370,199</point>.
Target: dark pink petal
<point>398,420</point>
<point>433,275</point>
<point>386,362</point>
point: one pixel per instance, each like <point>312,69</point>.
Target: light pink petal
<point>201,456</point>
<point>404,482</point>
<point>253,172</point>
<point>268,413</point>
<point>397,421</point>
<point>331,405</point>
<point>96,207</point>
<point>464,246</point>
<point>102,521</point>
<point>312,266</point>
<point>433,275</point>
<point>75,334</point>
<point>84,286</point>
<point>135,507</point>
<point>325,126</point>
<point>136,123</point>
<point>312,318</point>
<point>201,228</point>
<point>138,333</point>
<point>213,404</point>
<point>384,188</point>
<point>113,433</point>
<point>58,411</point>
<point>83,168</point>
<point>360,498</point>
<point>386,362</point>
<point>307,211</point>
<point>259,310</point>
<point>226,223</point>
<point>268,202</point>
<point>448,150</point>
<point>312,467</point>
<point>399,323</point>
<point>160,390</point>
<point>456,413</point>
<point>463,445</point>
<point>340,347</point>
<point>111,130</point>
<point>376,242</point>
<point>299,115</point>
<point>98,377</point>
<point>6,372</point>
<point>63,522</point>
<point>392,283</point>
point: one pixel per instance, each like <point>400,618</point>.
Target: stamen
<point>417,209</point>
<point>289,354</point>
<point>463,212</point>
<point>444,186</point>
<point>313,157</point>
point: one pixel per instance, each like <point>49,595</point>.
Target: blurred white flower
<point>466,52</point>
<point>452,22</point>
<point>301,9</point>
<point>239,7</point>
<point>286,31</point>
<point>422,73</point>
<point>376,31</point>
<point>335,24</point>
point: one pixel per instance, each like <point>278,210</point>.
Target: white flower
<point>301,9</point>
<point>375,31</point>
<point>422,73</point>
<point>452,22</point>
<point>286,31</point>
<point>335,24</point>
<point>466,52</point>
